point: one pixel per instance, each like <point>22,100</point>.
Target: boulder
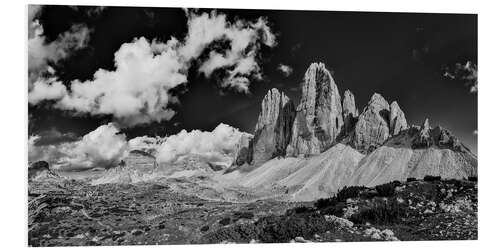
<point>372,127</point>
<point>397,119</point>
<point>273,128</point>
<point>319,114</point>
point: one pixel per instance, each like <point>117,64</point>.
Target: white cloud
<point>216,146</point>
<point>465,72</point>
<point>138,91</point>
<point>46,89</point>
<point>285,69</point>
<point>41,52</point>
<point>103,147</point>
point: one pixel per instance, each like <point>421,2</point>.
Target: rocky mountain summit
<point>331,144</point>
<point>319,118</point>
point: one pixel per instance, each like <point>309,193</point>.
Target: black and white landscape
<point>193,126</point>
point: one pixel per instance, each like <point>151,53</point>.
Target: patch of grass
<point>285,228</point>
<point>381,213</point>
<point>299,210</point>
<point>411,179</point>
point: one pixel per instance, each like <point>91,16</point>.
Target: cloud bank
<point>139,89</point>
<point>103,147</point>
<point>218,145</point>
<point>106,146</point>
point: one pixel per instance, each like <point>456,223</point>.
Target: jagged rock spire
<point>349,111</point>
<point>397,119</point>
<point>273,128</point>
<point>372,128</point>
<point>319,114</point>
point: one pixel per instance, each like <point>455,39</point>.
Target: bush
<point>472,178</point>
<point>327,202</point>
<point>432,178</point>
<point>411,179</point>
<point>243,215</point>
<point>236,233</point>
<point>381,213</point>
<point>337,209</point>
<point>225,221</point>
<point>285,228</point>
<point>349,192</point>
<point>386,190</point>
<point>299,210</point>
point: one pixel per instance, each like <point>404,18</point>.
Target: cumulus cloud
<point>145,143</point>
<point>218,145</point>
<point>106,146</point>
<point>103,147</point>
<point>464,72</point>
<point>41,52</point>
<point>285,69</point>
<point>138,90</point>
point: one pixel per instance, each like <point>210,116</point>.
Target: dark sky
<point>399,55</point>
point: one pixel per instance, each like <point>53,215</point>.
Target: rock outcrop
<point>273,128</point>
<point>397,119</point>
<point>426,137</point>
<point>319,114</point>
<point>243,153</point>
<point>40,170</point>
<point>349,111</point>
<point>372,128</point>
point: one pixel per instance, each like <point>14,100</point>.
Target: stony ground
<point>64,213</point>
<point>68,213</point>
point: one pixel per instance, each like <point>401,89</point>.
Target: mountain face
<point>319,118</point>
<point>331,145</point>
<point>349,111</point>
<point>372,128</point>
<point>272,131</point>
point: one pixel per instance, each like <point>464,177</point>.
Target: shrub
<point>243,215</point>
<point>327,202</point>
<point>380,213</point>
<point>432,178</point>
<point>299,210</point>
<point>225,221</point>
<point>349,192</point>
<point>472,178</point>
<point>236,233</point>
<point>337,209</point>
<point>285,228</point>
<point>411,179</point>
<point>204,228</point>
<point>386,190</point>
